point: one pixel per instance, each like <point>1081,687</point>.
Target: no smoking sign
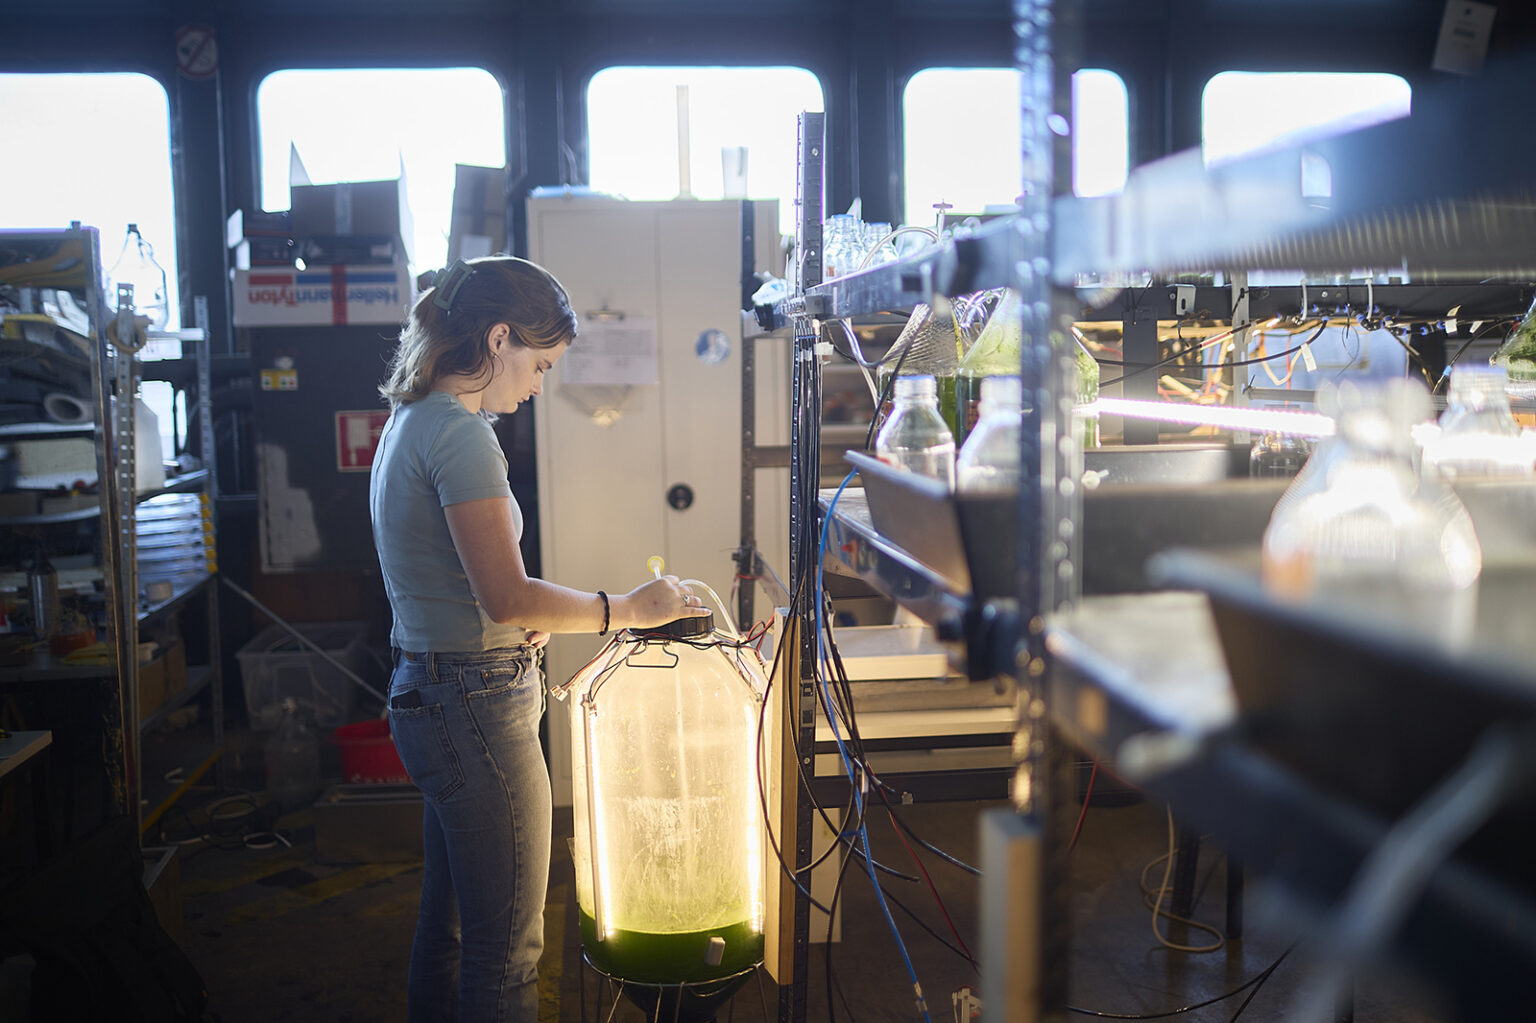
<point>197,53</point>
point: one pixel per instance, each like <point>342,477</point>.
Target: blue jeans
<point>467,728</point>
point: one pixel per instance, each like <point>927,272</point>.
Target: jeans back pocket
<point>421,738</point>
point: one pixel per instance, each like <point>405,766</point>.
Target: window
<point>379,123</point>
<point>94,148</point>
<point>1244,112</point>
<point>633,115</point>
<point>962,138</point>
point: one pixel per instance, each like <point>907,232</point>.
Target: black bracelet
<point>604,630</point>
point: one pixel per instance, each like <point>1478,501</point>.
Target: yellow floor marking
<point>189,779</point>
<point>318,891</point>
<point>265,867</point>
<point>552,962</point>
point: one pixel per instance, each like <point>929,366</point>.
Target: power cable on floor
<point>1161,892</point>
<point>1256,981</point>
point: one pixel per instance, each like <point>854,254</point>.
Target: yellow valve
<point>656,565</point>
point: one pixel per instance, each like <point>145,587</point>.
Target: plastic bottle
<point>874,252</point>
<point>930,344</point>
<point>840,248</point>
<point>136,265</point>
<point>43,595</point>
<point>915,437</point>
<point>1360,527</point>
<point>1478,435</point>
<point>989,460</point>
<point>293,761</point>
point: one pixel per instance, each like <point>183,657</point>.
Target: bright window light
<point>1244,112</point>
<point>372,124</point>
<point>94,148</point>
<point>962,138</point>
<point>632,130</point>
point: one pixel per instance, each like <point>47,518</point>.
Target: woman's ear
<point>497,336</point>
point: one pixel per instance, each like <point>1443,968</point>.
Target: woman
<point>466,694</point>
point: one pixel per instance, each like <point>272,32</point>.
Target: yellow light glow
<point>601,875</point>
<point>754,830</point>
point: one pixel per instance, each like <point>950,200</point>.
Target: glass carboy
<point>668,820</point>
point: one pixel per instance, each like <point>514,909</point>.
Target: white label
<point>612,353</point>
<point>1463,41</point>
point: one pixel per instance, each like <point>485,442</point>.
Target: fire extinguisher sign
<point>357,438</point>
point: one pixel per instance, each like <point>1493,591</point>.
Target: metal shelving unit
<point>1142,678</point>
<point>1006,252</point>
<point>70,261</point>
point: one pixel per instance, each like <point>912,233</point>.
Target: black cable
<point>1478,335</point>
<point>1257,979</point>
<point>1216,365</point>
<point>935,935</point>
<point>1262,978</point>
<point>1397,333</point>
<point>881,788</point>
<point>885,396</point>
<point>837,891</point>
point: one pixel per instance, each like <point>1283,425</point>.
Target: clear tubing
<point>725,615</point>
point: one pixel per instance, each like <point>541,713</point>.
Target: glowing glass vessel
<point>668,819</point>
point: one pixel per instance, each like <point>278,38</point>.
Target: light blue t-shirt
<point>433,453</point>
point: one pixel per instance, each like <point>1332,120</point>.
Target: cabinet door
<point>610,457</point>
<point>699,294</point>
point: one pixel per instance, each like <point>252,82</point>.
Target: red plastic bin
<point>368,753</point>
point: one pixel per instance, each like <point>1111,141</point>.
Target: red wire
<point>1093,774</point>
<point>936,897</point>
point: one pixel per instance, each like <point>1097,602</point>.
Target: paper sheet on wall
<point>612,353</point>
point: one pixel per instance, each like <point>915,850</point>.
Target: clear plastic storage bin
<point>275,666</point>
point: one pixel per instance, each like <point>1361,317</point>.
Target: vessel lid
<point>692,627</point>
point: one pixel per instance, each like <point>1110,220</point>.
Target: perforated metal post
<point>805,482</point>
<point>1024,969</point>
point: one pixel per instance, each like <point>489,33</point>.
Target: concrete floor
<point>278,936</point>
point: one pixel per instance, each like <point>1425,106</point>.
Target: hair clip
<point>450,281</point>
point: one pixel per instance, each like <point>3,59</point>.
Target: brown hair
<point>437,342</point>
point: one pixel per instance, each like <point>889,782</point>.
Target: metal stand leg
<point>1186,860</point>
<point>1234,898</point>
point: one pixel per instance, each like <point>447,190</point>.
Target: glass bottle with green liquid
<point>997,352</point>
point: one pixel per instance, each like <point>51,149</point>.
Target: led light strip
<point>1225,417</point>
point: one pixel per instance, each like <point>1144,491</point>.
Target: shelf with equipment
<point>1226,723</point>
<point>58,333</point>
<point>73,352</point>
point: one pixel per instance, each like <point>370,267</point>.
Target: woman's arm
<point>484,536</point>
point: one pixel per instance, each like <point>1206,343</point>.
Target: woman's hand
<point>658,602</point>
<point>536,639</point>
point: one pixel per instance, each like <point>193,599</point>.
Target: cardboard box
<point>264,251</point>
<point>321,295</point>
<point>352,207</point>
<point>352,249</point>
<point>161,678</point>
<point>257,224</point>
<point>368,824</point>
<point>478,223</point>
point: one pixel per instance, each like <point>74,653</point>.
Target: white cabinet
<point>650,281</point>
